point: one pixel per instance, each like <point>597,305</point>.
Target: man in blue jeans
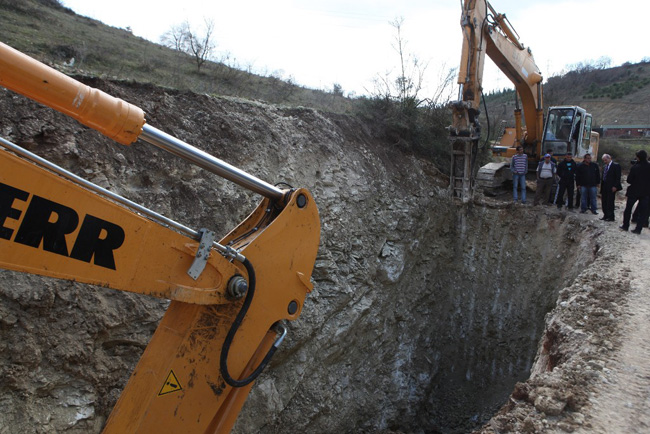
<point>519,167</point>
<point>587,180</point>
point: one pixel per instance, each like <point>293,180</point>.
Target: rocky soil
<point>590,373</point>
<point>426,316</point>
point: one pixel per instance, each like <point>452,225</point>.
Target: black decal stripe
<point>7,196</point>
<point>36,226</point>
<point>89,244</point>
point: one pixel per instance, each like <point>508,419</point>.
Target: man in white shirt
<point>546,171</point>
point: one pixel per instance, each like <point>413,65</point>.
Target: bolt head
<point>301,201</point>
<point>237,287</point>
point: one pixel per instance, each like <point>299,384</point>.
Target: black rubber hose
<point>233,330</point>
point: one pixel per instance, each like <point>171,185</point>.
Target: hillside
<point>616,95</point>
<point>56,35</point>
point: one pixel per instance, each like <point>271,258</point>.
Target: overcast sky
<point>318,43</point>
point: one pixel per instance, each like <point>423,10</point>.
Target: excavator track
<point>492,176</point>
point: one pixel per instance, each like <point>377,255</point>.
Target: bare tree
<point>404,85</point>
<point>404,88</point>
<point>184,38</point>
<point>201,46</point>
<point>442,93</point>
<point>175,37</point>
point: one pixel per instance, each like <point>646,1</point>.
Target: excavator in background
<point>228,298</point>
<point>566,129</point>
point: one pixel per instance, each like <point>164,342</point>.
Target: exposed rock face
<point>442,346</point>
<point>423,317</point>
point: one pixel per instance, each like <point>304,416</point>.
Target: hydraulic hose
<point>233,330</point>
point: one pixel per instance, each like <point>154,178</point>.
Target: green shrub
<point>418,129</point>
<point>617,90</point>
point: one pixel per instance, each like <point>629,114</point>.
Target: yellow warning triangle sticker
<point>171,384</point>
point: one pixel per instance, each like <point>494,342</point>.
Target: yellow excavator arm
<point>228,298</point>
<point>487,32</point>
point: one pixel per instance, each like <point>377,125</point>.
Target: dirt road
<point>620,402</point>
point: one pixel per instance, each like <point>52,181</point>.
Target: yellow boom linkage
<point>486,32</point>
<point>228,297</point>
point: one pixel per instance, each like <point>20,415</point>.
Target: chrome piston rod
<point>154,216</point>
<point>208,162</point>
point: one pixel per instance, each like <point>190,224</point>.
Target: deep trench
<point>436,342</point>
<point>433,344</point>
<point>494,275</point>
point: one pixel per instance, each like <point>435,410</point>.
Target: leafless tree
<point>184,38</point>
<point>442,93</point>
<point>406,87</point>
<point>602,62</point>
<point>175,37</point>
<point>399,46</point>
<point>201,45</point>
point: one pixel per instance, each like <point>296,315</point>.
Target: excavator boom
<point>228,298</point>
<point>487,32</point>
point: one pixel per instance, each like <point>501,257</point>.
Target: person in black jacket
<point>587,180</point>
<point>638,190</point>
<point>566,170</point>
<point>635,216</point>
<point>610,184</point>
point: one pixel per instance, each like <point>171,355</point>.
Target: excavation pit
<point>456,324</point>
<point>488,305</point>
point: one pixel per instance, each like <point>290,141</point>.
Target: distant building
<point>632,131</point>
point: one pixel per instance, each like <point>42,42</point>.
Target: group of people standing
<point>584,179</point>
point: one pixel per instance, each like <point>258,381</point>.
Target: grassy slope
<point>55,35</point>
<point>573,89</point>
<point>626,109</point>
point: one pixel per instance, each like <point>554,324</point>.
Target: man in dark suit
<point>638,190</point>
<point>609,185</point>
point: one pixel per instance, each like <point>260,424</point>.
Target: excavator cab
<point>568,129</point>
